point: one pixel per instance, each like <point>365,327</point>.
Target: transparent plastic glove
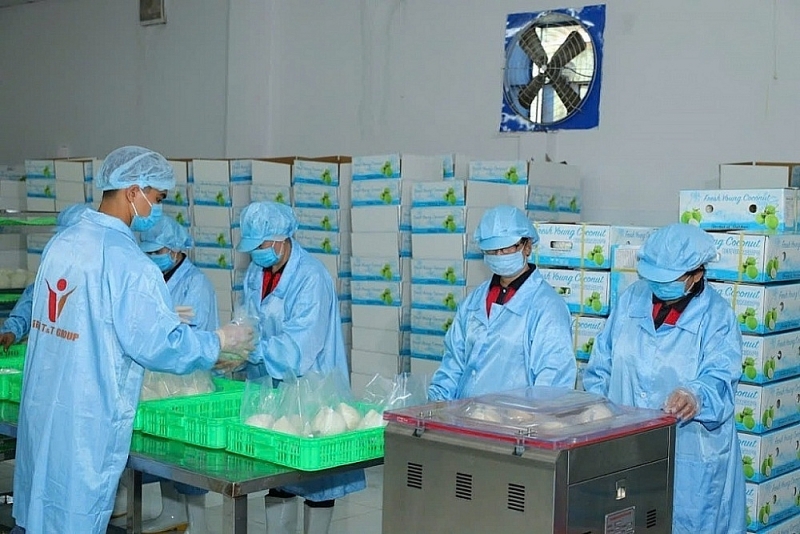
<point>683,404</point>
<point>236,340</point>
<point>186,313</point>
<point>7,339</point>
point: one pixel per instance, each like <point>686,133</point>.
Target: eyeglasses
<point>507,250</point>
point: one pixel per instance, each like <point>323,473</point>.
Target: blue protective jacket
<point>525,342</point>
<point>188,286</point>
<point>19,320</point>
<point>101,313</point>
<point>635,365</point>
<point>301,331</point>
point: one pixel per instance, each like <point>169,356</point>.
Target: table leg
<point>133,481</point>
<point>234,514</point>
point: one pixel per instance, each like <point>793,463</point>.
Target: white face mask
<point>505,264</point>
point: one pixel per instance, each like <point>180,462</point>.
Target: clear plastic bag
<point>165,385</point>
<point>310,406</point>
<point>260,402</point>
<point>400,391</point>
<point>244,315</point>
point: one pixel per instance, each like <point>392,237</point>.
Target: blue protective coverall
<point>19,320</point>
<point>635,365</point>
<point>301,331</point>
<point>525,342</point>
<point>101,313</point>
<point>188,286</point>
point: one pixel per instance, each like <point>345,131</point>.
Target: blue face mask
<point>505,264</point>
<point>163,261</point>
<point>142,224</point>
<point>669,290</point>
<point>265,257</point>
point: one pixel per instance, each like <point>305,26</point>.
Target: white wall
<point>84,73</point>
<point>686,85</point>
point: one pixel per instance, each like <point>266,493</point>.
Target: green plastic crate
<point>198,420</point>
<point>8,298</point>
<point>305,454</point>
<point>226,384</point>
<point>222,384</point>
<point>9,411</point>
<point>14,351</point>
<point>11,386</point>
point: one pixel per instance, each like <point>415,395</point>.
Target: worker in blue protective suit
<point>300,331</point>
<point>101,314</point>
<point>673,343</point>
<point>196,303</point>
<point>513,331</point>
<point>18,323</point>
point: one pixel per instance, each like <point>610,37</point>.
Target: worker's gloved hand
<point>683,404</point>
<point>186,314</point>
<point>236,340</point>
<point>7,339</point>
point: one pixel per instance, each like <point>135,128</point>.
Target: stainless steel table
<point>231,475</point>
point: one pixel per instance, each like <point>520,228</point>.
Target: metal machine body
<point>436,481</point>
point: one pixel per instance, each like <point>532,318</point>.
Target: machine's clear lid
<point>538,416</point>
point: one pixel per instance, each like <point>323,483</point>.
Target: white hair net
<point>165,233</point>
<point>503,226</point>
<point>674,250</point>
<point>134,165</point>
<point>265,221</point>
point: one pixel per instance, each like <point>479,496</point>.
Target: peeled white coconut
<point>349,414</point>
<point>372,420</point>
<point>594,413</point>
<point>285,426</point>
<point>303,426</point>
<point>328,422</point>
<point>261,420</point>
<point>18,278</point>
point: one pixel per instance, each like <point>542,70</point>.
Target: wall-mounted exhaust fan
<point>552,70</point>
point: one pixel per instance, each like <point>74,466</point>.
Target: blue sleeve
<point>19,320</point>
<point>719,369</point>
<point>445,381</point>
<point>305,326</point>
<point>151,333</point>
<point>552,356</point>
<point>597,375</point>
<point>203,299</point>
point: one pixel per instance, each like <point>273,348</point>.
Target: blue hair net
<point>265,221</point>
<point>503,226</point>
<point>165,233</point>
<point>134,165</point>
<point>70,216</point>
<point>674,250</point>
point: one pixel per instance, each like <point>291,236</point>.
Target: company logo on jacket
<point>56,301</point>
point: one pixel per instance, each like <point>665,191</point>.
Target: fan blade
<point>569,49</point>
<point>567,94</point>
<point>530,91</point>
<point>532,46</point>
